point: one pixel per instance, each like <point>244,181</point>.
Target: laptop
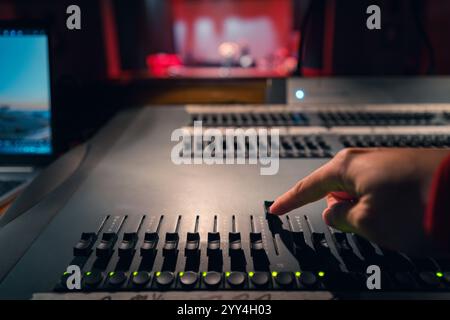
<point>26,130</point>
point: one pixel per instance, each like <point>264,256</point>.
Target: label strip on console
<point>157,295</point>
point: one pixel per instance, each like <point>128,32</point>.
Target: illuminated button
<point>140,278</point>
<point>259,279</point>
<point>92,278</point>
<point>236,279</point>
<point>212,279</point>
<point>429,279</point>
<point>308,279</point>
<point>116,278</point>
<point>188,279</point>
<point>164,279</point>
<point>283,279</point>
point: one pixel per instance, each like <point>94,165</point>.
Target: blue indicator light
<point>299,94</point>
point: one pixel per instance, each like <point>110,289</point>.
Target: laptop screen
<point>25,99</point>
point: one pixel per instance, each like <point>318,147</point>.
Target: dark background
<point>101,68</point>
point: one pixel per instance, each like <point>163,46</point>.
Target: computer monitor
<point>25,93</point>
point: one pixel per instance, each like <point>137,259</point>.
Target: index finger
<point>317,185</point>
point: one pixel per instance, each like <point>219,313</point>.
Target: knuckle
<point>298,187</point>
<point>343,161</point>
<point>346,153</point>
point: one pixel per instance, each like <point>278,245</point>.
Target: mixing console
<point>279,253</point>
<point>133,220</point>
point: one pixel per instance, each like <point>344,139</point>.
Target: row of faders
<point>277,253</point>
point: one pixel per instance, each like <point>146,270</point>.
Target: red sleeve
<point>437,215</point>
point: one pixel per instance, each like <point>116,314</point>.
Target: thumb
<point>342,215</point>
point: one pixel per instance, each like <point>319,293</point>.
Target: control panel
<point>254,252</point>
<point>133,220</point>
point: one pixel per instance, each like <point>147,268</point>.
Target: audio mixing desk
<point>137,224</point>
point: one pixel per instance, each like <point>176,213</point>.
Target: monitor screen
<point>25,103</point>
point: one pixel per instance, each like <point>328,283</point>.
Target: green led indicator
<point>321,274</point>
<point>88,273</point>
<point>251,274</point>
<point>204,273</point>
<point>65,273</point>
<point>158,273</point>
<point>181,274</point>
<point>298,274</point>
<point>274,274</point>
<point>112,273</point>
<point>439,274</point>
<point>227,274</point>
<point>135,274</point>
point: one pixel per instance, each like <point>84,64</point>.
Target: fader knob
<point>148,248</point>
<point>126,247</point>
<point>192,244</point>
<point>85,244</point>
<point>256,242</point>
<point>234,240</point>
<point>171,244</point>
<point>213,243</point>
<point>106,245</point>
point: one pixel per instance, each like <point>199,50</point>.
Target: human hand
<point>380,194</point>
